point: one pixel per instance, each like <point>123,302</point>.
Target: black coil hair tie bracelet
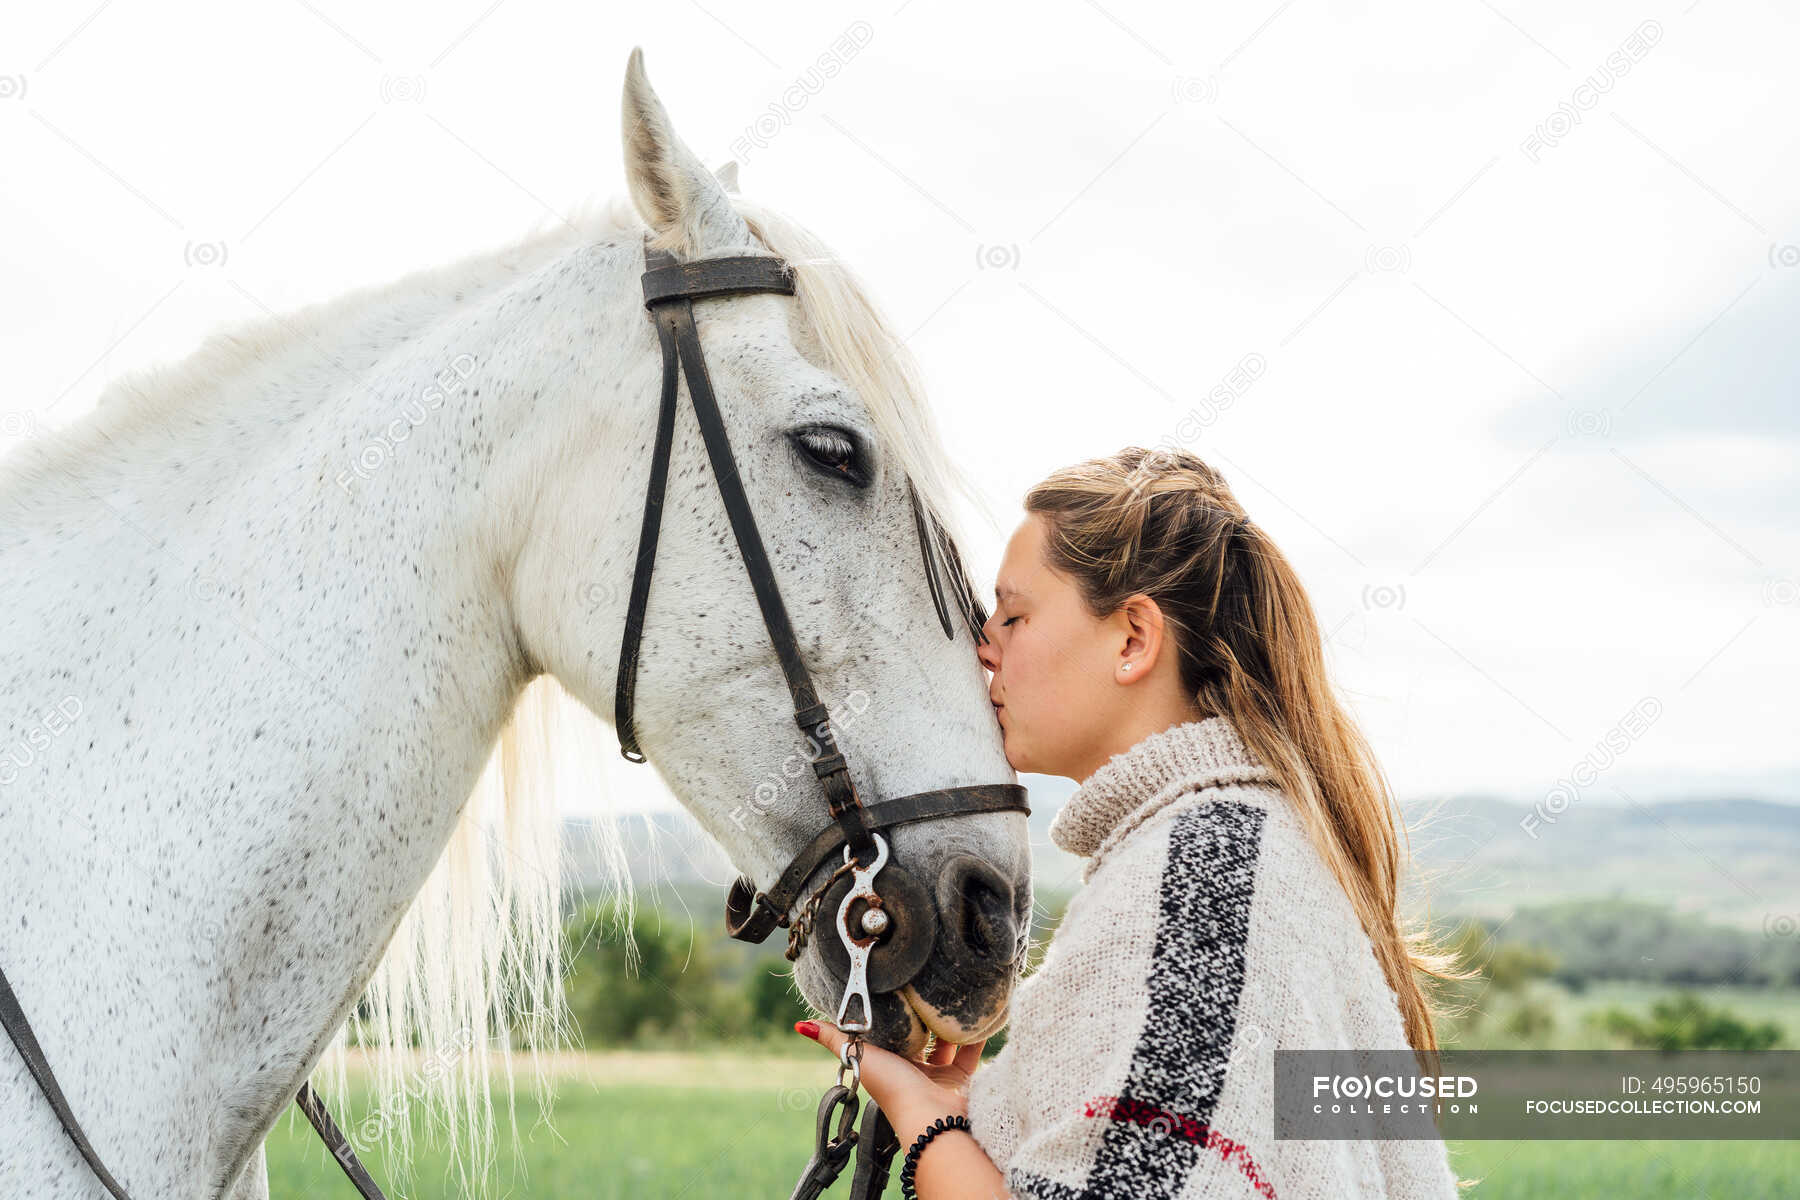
<point>910,1167</point>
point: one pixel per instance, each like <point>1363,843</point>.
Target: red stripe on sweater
<point>1138,1112</point>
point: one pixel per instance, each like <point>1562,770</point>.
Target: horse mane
<point>236,350</point>
<point>475,968</point>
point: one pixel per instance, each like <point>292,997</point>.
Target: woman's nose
<point>988,652</point>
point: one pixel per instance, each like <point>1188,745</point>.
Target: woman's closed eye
<point>1007,622</point>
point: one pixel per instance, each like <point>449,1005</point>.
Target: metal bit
<point>859,945</point>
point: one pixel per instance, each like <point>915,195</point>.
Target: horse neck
<point>290,655</point>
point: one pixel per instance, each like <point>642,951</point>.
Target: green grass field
<point>737,1125</point>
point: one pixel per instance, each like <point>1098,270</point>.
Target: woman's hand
<point>912,1094</point>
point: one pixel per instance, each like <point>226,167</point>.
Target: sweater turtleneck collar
<point>1176,760</point>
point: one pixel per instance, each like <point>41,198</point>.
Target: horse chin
<point>905,1022</point>
<point>948,1027</point>
<point>895,1026</point>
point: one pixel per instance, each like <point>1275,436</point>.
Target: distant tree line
<point>686,981</point>
<point>1650,943</point>
<point>1499,999</point>
<point>681,982</point>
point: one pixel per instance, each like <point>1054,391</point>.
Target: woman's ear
<point>1141,622</point>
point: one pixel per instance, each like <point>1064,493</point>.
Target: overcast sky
<point>1486,310</point>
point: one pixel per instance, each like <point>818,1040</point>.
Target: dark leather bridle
<point>670,289</point>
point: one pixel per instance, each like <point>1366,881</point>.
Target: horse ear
<point>677,196</point>
<point>727,173</point>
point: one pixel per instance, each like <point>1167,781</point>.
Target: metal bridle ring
<point>901,949</point>
<point>850,1059</point>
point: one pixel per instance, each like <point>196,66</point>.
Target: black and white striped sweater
<point>1139,1059</point>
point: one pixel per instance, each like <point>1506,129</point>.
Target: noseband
<point>670,290</point>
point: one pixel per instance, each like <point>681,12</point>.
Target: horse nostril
<point>977,907</point>
<point>978,902</point>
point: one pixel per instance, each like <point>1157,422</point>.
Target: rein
<point>19,1030</point>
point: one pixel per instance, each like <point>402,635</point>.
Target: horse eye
<point>833,451</point>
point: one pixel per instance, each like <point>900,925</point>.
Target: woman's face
<point>1053,663</point>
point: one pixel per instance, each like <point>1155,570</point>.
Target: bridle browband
<point>670,289</point>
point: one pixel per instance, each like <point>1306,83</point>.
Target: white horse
<point>267,624</point>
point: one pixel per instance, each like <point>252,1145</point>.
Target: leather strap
<point>12,1016</point>
<point>334,1140</point>
<point>670,289</point>
<point>19,1030</point>
<point>931,571</point>
<point>677,316</point>
<point>667,279</point>
<point>750,916</point>
<point>876,1145</point>
<point>632,642</point>
<point>974,612</point>
<point>932,543</point>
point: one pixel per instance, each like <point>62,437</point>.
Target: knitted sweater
<point>1139,1059</point>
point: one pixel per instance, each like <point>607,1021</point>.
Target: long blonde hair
<point>1162,523</point>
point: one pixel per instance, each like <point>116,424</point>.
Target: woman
<point>1242,869</point>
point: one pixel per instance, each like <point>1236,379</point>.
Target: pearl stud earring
<point>1128,666</point>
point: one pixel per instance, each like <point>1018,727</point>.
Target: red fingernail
<point>807,1029</point>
